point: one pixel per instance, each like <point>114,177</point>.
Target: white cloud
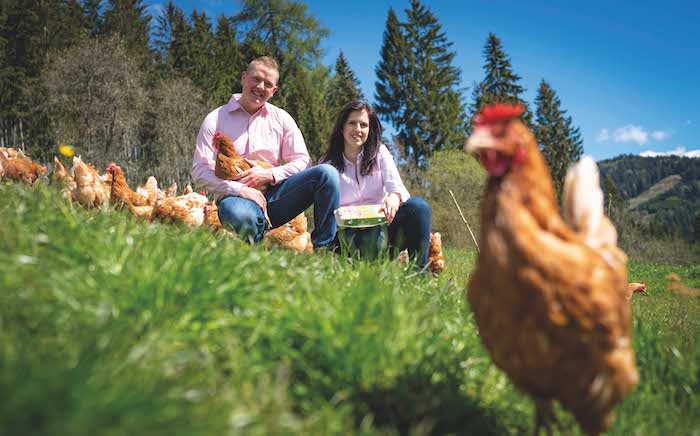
<point>660,135</point>
<point>679,151</point>
<point>631,133</point>
<point>603,136</point>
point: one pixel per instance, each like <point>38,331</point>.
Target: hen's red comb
<point>498,112</point>
<point>216,136</point>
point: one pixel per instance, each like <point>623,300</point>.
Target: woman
<point>368,175</point>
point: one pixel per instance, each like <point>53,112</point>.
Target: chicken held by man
<point>228,164</point>
<point>549,297</point>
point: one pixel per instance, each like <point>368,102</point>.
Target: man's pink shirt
<point>384,179</point>
<point>269,135</point>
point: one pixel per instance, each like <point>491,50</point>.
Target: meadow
<point>113,326</point>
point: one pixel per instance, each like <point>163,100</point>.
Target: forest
<point>116,83</point>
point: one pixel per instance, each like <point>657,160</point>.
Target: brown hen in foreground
<point>549,298</point>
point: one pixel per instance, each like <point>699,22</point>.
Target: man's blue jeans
<point>317,185</point>
<point>410,229</point>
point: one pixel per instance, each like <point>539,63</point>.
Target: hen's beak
<point>479,140</point>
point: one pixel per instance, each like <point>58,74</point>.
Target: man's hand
<point>254,195</point>
<point>390,205</point>
<point>256,177</point>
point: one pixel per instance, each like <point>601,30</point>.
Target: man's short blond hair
<point>268,61</point>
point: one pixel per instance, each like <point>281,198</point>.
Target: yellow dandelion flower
<point>65,150</point>
<point>8,183</point>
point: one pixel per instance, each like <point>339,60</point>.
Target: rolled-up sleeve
<point>293,150</point>
<point>390,174</point>
<point>204,162</point>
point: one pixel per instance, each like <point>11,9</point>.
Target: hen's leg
<point>545,417</point>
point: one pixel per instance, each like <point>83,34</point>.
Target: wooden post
<point>476,244</point>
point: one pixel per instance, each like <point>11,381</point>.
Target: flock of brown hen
<point>84,185</point>
<point>549,292</point>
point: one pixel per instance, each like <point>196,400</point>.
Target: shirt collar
<point>359,157</point>
<point>234,105</point>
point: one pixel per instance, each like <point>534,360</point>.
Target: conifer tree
<point>284,30</point>
<point>228,61</point>
<point>559,142</point>
<point>500,84</point>
<point>391,71</point>
<point>613,199</point>
<point>131,21</point>
<point>344,87</point>
<point>93,16</point>
<point>30,33</point>
<point>201,48</point>
<point>422,100</point>
<point>306,103</point>
<point>172,36</point>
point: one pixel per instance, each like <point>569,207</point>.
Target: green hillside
<point>665,189</point>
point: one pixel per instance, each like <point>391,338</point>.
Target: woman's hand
<point>390,205</point>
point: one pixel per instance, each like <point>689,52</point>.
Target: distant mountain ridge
<point>665,188</point>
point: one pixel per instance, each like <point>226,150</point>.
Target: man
<point>262,131</point>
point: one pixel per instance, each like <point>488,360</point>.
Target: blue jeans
<point>317,185</point>
<point>409,230</point>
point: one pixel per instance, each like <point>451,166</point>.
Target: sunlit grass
<point>113,326</point>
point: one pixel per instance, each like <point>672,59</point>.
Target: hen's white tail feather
<point>583,205</point>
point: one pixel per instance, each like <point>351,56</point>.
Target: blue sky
<point>628,72</point>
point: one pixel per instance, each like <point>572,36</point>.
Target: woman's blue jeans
<point>409,230</point>
<point>317,185</point>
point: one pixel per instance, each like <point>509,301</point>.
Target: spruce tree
<point>391,72</point>
<point>200,66</point>
<point>31,32</point>
<point>172,40</point>
<point>559,142</point>
<point>92,10</point>
<point>228,61</point>
<point>131,21</point>
<point>500,84</point>
<point>284,30</point>
<point>417,86</point>
<point>613,199</point>
<point>344,87</point>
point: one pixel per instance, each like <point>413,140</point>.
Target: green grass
<point>110,326</point>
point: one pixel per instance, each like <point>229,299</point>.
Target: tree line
<point>673,212</point>
<point>116,83</point>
